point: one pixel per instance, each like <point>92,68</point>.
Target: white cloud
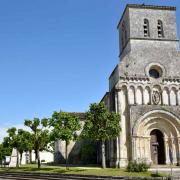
<point>2,133</point>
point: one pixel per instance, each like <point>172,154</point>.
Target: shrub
<point>33,162</point>
<point>137,167</point>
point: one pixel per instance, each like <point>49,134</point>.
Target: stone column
<point>173,141</point>
<point>144,148</point>
<point>118,152</point>
<point>114,157</point>
<point>139,149</point>
<point>178,144</point>
<point>128,97</point>
<point>143,98</point>
<point>167,150</point>
<point>177,98</point>
<point>116,101</point>
<point>133,143</point>
<point>148,150</point>
<point>150,96</point>
<point>122,105</point>
<point>135,98</point>
<point>162,102</point>
<point>169,102</point>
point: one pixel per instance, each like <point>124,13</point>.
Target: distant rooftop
<point>80,114</point>
<point>144,6</point>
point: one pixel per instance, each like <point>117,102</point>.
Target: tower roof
<point>143,6</point>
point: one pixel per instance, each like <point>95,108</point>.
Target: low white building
<point>45,157</point>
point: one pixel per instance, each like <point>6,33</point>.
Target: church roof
<point>80,114</point>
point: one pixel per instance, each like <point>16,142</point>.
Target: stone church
<point>144,88</point>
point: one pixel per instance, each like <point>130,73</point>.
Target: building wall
<point>137,92</point>
<point>168,17</point>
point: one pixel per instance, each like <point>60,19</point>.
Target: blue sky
<point>57,54</point>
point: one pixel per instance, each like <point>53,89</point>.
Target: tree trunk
<point>30,156</point>
<point>103,154</point>
<point>66,152</point>
<point>17,161</point>
<point>38,158</point>
<point>20,159</point>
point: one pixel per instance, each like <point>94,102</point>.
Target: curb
<point>56,176</point>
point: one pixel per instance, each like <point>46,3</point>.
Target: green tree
<point>39,135</point>
<point>16,139</point>
<point>88,154</point>
<point>25,143</point>
<point>13,141</point>
<point>4,151</point>
<point>64,127</point>
<point>29,144</point>
<point>101,125</point>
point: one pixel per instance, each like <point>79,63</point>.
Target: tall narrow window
<point>123,35</point>
<point>146,28</point>
<point>160,29</point>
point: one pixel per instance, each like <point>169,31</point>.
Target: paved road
<point>175,171</point>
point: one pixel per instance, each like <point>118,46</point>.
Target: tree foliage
<point>88,154</point>
<point>101,125</point>
<point>17,138</point>
<point>39,135</point>
<point>64,127</point>
<point>4,151</point>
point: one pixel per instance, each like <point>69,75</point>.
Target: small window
<point>154,73</point>
<point>160,29</point>
<point>146,28</point>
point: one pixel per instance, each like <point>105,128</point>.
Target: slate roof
<point>80,114</point>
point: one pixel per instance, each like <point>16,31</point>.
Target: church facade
<point>144,88</point>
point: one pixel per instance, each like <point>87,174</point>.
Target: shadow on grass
<point>156,175</point>
<point>42,170</point>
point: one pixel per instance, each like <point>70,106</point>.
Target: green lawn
<point>77,170</point>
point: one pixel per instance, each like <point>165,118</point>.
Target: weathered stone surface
<point>145,87</point>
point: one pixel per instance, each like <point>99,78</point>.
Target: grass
<point>78,170</point>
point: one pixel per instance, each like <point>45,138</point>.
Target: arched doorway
<point>157,147</point>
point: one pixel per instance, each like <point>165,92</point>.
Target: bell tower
<point>147,25</point>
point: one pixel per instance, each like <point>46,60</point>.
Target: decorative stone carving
<point>156,97</point>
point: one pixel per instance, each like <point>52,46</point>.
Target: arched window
<point>146,28</point>
<point>160,29</point>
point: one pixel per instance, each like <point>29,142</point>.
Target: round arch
<point>157,121</point>
<point>156,117</point>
